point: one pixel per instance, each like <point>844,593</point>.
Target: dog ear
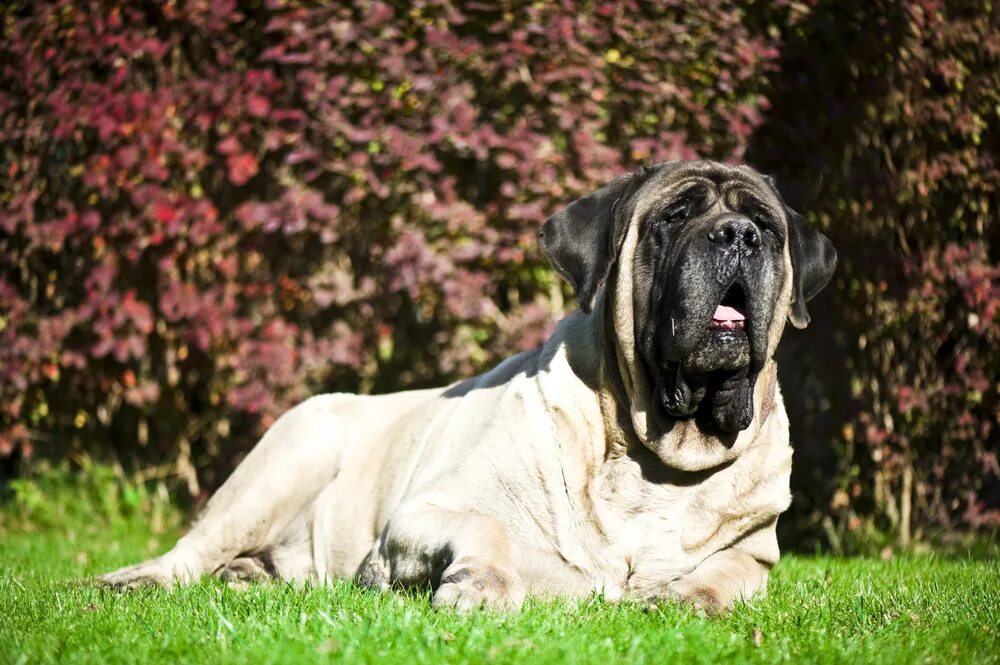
<point>580,242</point>
<point>813,262</point>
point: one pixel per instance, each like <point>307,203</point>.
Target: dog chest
<point>658,532</point>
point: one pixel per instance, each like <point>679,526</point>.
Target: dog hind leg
<point>465,556</point>
<point>297,457</point>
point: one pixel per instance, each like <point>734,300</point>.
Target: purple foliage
<point>212,209</point>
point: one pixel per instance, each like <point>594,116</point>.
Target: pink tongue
<point>723,313</point>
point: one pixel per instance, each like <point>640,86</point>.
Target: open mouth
<point>731,312</point>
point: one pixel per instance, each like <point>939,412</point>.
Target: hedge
<point>213,209</point>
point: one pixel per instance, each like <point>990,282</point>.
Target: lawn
<point>819,609</point>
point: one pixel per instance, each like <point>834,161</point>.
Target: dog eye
<point>762,219</point>
<point>760,216</point>
<point>679,211</point>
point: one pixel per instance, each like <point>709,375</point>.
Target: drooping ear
<point>813,262</point>
<point>579,240</point>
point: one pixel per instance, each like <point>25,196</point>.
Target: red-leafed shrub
<point>212,210</point>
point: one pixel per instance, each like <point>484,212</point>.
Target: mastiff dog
<point>642,452</point>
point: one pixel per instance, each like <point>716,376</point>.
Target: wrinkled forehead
<point>671,179</point>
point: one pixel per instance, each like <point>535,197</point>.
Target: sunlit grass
<point>818,610</point>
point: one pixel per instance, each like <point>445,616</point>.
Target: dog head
<point>703,264</point>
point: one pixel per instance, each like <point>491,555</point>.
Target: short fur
<point>635,453</point>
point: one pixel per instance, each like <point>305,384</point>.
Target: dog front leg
<point>465,556</point>
<point>721,580</point>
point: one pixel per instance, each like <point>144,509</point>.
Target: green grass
<point>819,609</point>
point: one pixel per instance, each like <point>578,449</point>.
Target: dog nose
<point>733,229</point>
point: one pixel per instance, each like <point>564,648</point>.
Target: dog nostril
<point>725,235</point>
<point>729,231</point>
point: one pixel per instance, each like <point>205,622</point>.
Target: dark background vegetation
<point>213,209</point>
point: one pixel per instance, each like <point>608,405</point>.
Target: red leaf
<point>164,212</point>
<point>228,146</point>
<point>242,167</point>
<point>258,106</point>
<point>127,156</point>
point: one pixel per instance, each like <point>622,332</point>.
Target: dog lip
<point>724,325</point>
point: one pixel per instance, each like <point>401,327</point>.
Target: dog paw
<point>470,588</point>
<point>713,601</point>
<point>244,568</point>
<point>242,571</point>
<point>154,572</point>
<point>373,574</point>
